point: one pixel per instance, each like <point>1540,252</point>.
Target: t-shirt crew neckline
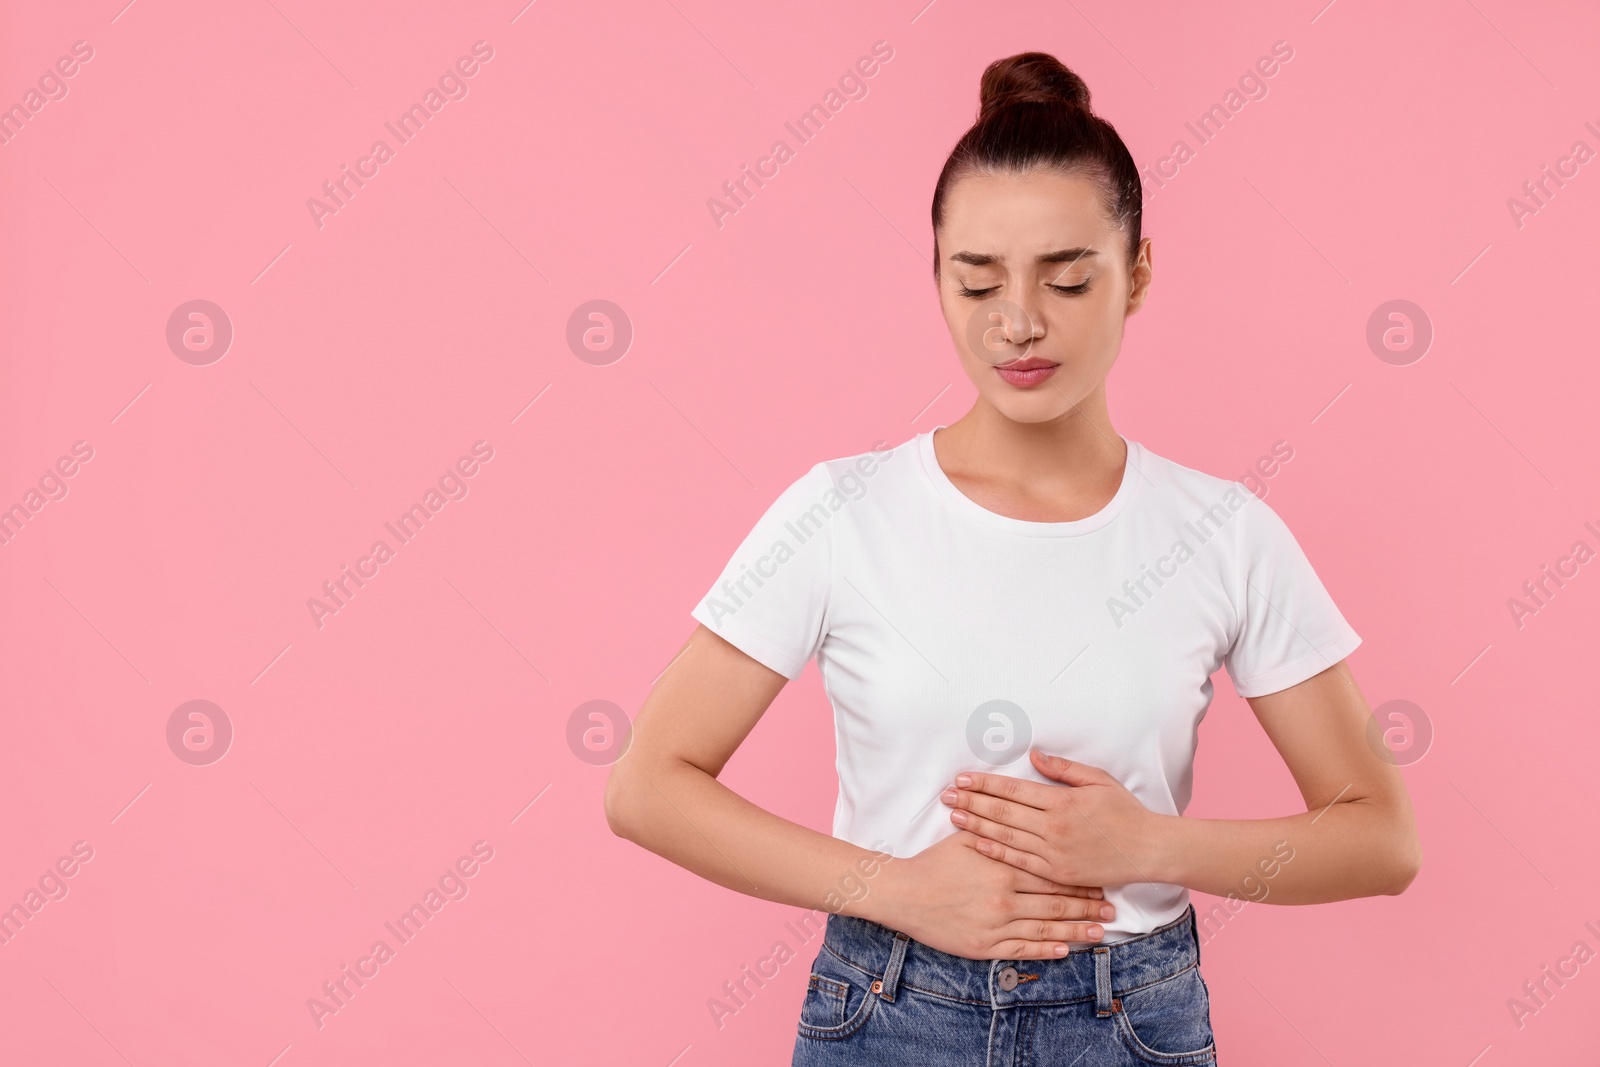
<point>945,488</point>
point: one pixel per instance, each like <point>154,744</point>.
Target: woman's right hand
<point>953,898</point>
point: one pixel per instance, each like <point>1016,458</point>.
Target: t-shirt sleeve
<point>771,599</point>
<point>1289,627</point>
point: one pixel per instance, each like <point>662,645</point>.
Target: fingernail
<point>1062,950</point>
<point>1108,912</point>
<point>1095,933</point>
<point>949,796</point>
<point>958,817</point>
<point>963,780</point>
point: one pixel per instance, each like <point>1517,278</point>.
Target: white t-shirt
<point>950,637</point>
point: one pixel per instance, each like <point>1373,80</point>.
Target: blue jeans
<point>878,997</point>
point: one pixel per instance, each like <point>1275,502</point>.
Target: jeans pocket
<point>1169,1022</point>
<point>839,999</point>
<point>824,1005</point>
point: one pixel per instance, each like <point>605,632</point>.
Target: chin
<point>1041,405</point>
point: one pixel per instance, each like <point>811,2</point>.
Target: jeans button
<point>1008,978</point>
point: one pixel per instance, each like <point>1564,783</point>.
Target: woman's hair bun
<point>1034,113</point>
<point>1030,77</point>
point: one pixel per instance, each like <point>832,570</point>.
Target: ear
<point>1068,772</point>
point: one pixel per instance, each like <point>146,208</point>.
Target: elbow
<point>1405,873</point>
<point>1406,864</point>
<point>634,795</point>
<point>619,804</point>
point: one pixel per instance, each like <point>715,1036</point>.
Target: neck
<point>1076,451</point>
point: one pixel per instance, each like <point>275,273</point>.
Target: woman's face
<point>1035,286</point>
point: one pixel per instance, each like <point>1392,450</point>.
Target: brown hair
<point>1034,112</point>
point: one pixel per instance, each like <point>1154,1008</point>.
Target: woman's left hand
<point>1087,831</point>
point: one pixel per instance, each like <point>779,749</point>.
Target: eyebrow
<point>1064,255</point>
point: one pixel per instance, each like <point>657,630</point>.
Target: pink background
<point>373,751</point>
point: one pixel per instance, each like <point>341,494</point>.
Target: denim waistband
<point>891,960</point>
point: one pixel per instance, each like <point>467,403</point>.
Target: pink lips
<point>1026,373</point>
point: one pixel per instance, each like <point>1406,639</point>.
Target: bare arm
<point>1357,837</point>
<point>663,793</point>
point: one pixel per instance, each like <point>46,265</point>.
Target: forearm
<point>683,814</point>
<point>1352,848</point>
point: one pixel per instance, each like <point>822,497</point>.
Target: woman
<point>1017,617</point>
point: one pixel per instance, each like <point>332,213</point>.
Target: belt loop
<point>1103,1003</point>
<point>886,986</point>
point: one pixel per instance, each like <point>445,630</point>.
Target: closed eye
<point>1066,290</point>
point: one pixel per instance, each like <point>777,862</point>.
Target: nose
<point>1001,327</point>
<point>1024,313</point>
